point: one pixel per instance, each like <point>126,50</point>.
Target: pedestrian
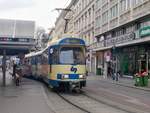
<point>17,80</point>
<point>117,76</point>
<point>113,76</point>
<point>14,69</point>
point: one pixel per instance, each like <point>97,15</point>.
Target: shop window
<point>137,26</point>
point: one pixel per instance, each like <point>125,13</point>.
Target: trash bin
<point>98,71</point>
<point>145,80</point>
<point>139,81</point>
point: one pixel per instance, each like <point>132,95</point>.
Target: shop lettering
<point>120,39</point>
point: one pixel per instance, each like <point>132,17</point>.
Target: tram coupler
<point>74,86</point>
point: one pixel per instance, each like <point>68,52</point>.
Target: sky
<point>41,11</point>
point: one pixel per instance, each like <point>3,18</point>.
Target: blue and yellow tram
<point>61,64</point>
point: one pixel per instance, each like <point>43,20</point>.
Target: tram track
<point>82,109</point>
<point>70,97</point>
<point>106,103</point>
<point>89,104</point>
<point>85,109</point>
<point>60,105</point>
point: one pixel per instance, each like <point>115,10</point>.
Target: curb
<point>121,84</point>
<point>125,85</point>
<point>140,88</point>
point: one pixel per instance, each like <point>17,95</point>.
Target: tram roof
<point>66,40</point>
<point>61,41</point>
<point>35,53</point>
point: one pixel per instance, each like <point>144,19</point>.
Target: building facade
<point>116,32</point>
<point>80,21</point>
<point>84,26</point>
<point>122,29</point>
<point>84,20</point>
<point>65,22</point>
<point>59,25</point>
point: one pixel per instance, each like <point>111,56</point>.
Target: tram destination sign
<point>72,41</point>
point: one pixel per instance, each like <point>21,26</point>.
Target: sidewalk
<point>127,82</point>
<point>29,97</point>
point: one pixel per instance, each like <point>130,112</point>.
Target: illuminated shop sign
<point>120,39</point>
<point>145,31</point>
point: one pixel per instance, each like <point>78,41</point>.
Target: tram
<point>62,64</point>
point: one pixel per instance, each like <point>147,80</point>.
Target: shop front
<point>107,63</point>
<point>93,62</point>
<point>100,63</point>
<point>132,59</point>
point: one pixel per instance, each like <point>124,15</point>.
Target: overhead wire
<point>66,3</point>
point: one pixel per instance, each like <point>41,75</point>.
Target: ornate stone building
<point>122,29</point>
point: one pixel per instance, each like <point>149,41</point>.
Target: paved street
<point>29,97</point>
<point>71,45</point>
<point>33,97</point>
<point>124,95</point>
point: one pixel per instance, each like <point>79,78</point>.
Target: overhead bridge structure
<point>16,37</point>
<point>15,46</point>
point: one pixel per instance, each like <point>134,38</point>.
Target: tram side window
<point>53,56</point>
<point>39,59</point>
<point>33,61</point>
<point>45,57</point>
<point>29,61</point>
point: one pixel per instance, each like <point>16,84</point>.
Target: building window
<point>89,40</point>
<point>114,11</point>
<point>97,4</point>
<point>89,11</point>
<point>105,17</point>
<point>135,2</point>
<point>85,18</point>
<point>83,4</point>
<point>124,5</point>
<point>96,22</point>
<point>137,26</point>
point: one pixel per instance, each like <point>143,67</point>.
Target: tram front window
<point>72,55</point>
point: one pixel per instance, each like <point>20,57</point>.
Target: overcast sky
<point>37,10</point>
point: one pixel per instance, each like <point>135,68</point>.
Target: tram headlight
<point>65,76</point>
<point>81,76</point>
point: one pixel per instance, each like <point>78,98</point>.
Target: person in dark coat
<point>14,70</point>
